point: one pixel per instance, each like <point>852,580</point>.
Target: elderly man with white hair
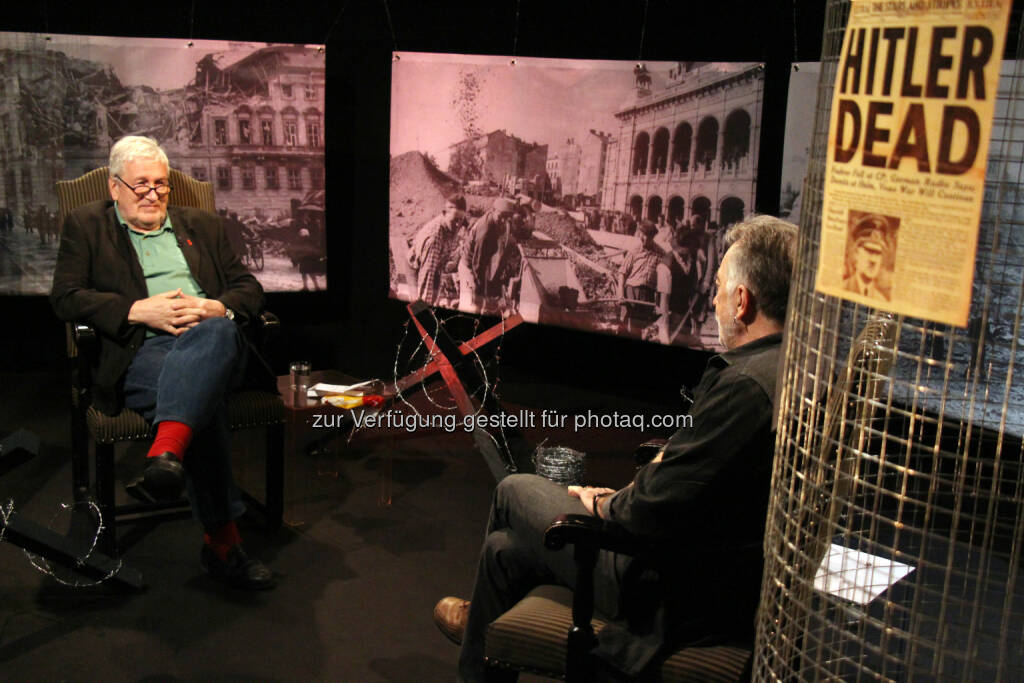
<point>166,294</point>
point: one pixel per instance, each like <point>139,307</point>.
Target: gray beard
<point>727,331</point>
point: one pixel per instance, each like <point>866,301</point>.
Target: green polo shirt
<point>161,259</point>
<point>162,262</point>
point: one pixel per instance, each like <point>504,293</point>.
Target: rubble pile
<point>570,233</point>
<point>596,285</point>
<point>564,230</point>
<point>245,82</point>
<point>246,78</point>
<point>78,102</point>
<point>67,101</point>
<point>418,192</point>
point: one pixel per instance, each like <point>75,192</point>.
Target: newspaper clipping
<point>908,141</point>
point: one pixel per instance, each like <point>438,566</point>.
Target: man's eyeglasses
<point>142,189</point>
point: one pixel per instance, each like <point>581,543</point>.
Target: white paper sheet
<point>856,576</point>
<point>324,389</point>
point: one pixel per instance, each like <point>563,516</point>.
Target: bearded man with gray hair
<point>703,498</point>
<point>166,294</point>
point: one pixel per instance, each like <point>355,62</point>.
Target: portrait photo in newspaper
<point>870,254</point>
<point>911,121</point>
<point>245,117</point>
<point>579,193</point>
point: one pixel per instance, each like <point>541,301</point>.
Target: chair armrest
<point>263,330</point>
<point>85,339</point>
<point>83,342</point>
<point>263,333</point>
<point>269,323</point>
<point>646,451</point>
<point>591,532</point>
<point>83,346</point>
<point>86,343</point>
<point>588,535</point>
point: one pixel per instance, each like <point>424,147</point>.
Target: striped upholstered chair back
<point>93,186</point>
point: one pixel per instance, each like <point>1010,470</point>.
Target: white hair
<point>132,147</point>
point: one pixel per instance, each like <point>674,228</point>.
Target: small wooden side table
<point>313,434</point>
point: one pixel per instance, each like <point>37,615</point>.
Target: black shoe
<point>239,571</point>
<point>163,479</point>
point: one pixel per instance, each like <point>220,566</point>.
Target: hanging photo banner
<point>247,118</point>
<point>580,193</point>
<point>908,142</point>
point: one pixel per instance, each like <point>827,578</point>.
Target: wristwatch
<point>228,313</point>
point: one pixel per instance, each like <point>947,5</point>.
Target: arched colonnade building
<point>687,144</point>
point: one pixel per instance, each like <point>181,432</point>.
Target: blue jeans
<point>514,560</point>
<point>187,379</point>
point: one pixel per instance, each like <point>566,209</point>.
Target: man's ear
<point>746,309</point>
<point>112,183</point>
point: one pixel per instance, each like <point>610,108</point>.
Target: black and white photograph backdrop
<point>247,117</point>
<point>581,193</point>
<point>803,94</point>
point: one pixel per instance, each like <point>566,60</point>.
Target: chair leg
<point>275,477</point>
<point>581,638</point>
<point>106,482</point>
<point>79,459</point>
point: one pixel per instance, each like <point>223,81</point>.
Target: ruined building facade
<point>255,127</point>
<point>51,106</point>
<point>578,165</point>
<point>495,156</point>
<point>687,146</point>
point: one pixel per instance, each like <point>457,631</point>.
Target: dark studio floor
<point>358,577</point>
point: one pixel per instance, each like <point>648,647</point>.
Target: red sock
<point>171,437</point>
<point>223,539</point>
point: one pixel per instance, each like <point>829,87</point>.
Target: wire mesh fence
<point>896,522</point>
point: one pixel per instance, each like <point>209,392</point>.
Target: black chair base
<point>106,431</point>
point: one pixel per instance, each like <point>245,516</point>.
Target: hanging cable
<point>796,52</point>
<point>391,25</point>
<point>515,35</point>
<point>643,32</point>
<point>337,20</point>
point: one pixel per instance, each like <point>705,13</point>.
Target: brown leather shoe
<point>450,616</point>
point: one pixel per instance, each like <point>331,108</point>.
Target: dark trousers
<point>186,379</point>
<point>513,561</point>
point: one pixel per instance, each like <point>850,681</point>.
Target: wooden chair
<point>552,630</point>
<point>92,186</point>
<point>96,432</point>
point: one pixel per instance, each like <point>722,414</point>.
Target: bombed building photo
<point>589,153</point>
<point>246,118</point>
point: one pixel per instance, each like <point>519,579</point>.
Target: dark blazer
<point>98,278</point>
